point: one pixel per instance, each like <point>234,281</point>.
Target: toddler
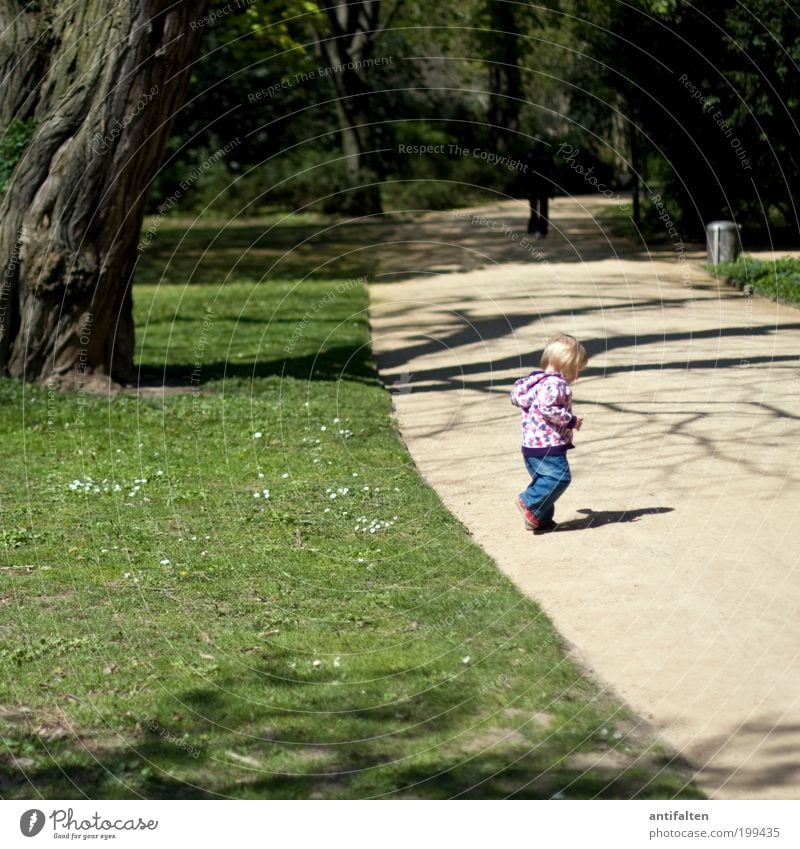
<point>545,397</point>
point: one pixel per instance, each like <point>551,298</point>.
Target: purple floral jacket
<point>547,419</point>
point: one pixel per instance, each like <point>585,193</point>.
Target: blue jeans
<point>550,476</point>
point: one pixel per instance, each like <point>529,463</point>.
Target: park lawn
<point>169,631</point>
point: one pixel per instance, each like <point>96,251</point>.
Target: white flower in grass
<point>261,475</point>
<point>336,662</point>
<point>285,475</point>
<point>465,660</point>
<point>165,561</point>
<point>317,663</point>
<point>374,525</point>
<point>257,435</point>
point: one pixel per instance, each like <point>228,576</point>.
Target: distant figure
<point>540,186</point>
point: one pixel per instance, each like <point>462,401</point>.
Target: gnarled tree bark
<point>102,82</point>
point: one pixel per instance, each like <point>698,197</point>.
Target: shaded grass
<point>293,247</point>
<point>165,633</point>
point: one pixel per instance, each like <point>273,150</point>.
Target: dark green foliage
<point>12,146</point>
<point>712,93</point>
<point>267,85</point>
<point>701,102</point>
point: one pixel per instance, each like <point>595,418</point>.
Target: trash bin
<point>722,241</point>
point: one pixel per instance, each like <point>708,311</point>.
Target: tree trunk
<point>355,30</point>
<point>102,82</point>
<point>505,79</point>
<point>636,171</point>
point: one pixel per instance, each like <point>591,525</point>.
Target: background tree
<point>247,88</point>
<point>502,47</point>
<point>711,94</point>
<point>100,85</point>
<point>348,44</point>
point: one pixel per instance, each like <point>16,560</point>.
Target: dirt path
<point>675,573</point>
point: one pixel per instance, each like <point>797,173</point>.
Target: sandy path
<point>675,573</point>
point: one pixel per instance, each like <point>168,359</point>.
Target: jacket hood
<point>533,378</point>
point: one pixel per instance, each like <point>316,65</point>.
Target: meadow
<point>230,581</point>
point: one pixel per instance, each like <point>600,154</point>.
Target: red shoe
<point>531,522</point>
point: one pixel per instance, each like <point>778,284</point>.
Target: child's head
<point>565,354</point>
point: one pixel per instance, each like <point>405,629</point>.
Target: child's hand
<point>578,423</point>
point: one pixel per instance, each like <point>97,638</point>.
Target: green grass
<point>776,279</point>
<point>13,142</point>
<point>167,634</point>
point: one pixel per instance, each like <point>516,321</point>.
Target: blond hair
<point>565,353</point>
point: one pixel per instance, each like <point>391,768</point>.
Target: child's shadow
<point>598,518</point>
